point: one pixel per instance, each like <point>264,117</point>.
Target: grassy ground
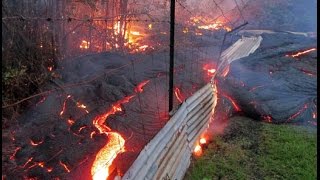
<point>255,150</point>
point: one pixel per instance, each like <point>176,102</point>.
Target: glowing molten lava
<point>105,157</point>
<point>115,145</point>
<point>99,121</point>
<point>178,94</point>
<point>140,86</point>
<point>302,52</point>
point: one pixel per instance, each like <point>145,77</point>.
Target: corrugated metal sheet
<point>168,154</point>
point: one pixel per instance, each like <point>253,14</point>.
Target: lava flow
<point>115,145</point>
<point>302,52</point>
<point>305,106</point>
<point>237,108</point>
<point>178,94</point>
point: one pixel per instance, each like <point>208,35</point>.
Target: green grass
<point>255,150</point>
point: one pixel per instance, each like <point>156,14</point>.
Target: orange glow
<point>50,68</point>
<point>150,26</point>
<point>98,121</point>
<point>15,152</point>
<point>178,94</point>
<point>203,141</point>
<point>197,150</point>
<point>185,30</point>
<point>34,143</point>
<point>140,86</point>
<point>302,52</point>
<point>64,166</point>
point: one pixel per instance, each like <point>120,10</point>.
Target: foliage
<point>256,150</point>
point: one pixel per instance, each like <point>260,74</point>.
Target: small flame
<point>50,68</point>
<point>150,26</point>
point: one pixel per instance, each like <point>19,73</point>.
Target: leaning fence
<point>168,154</point>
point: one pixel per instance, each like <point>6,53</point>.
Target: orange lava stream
<point>302,52</point>
<point>105,157</point>
<point>115,145</point>
<point>98,121</point>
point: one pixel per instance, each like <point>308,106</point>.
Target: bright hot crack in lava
<point>115,145</point>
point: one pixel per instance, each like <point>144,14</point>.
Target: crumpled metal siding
<point>168,154</point>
